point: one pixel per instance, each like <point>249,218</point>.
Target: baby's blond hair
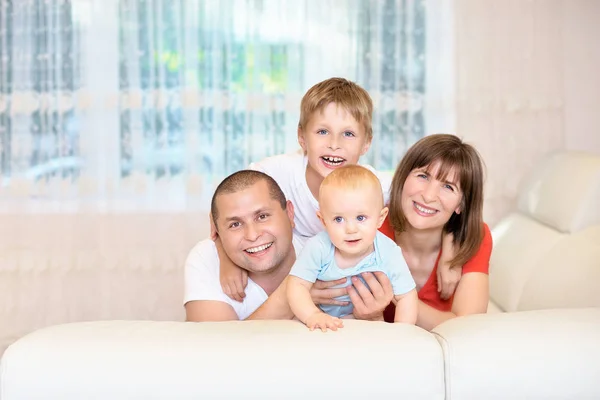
<point>352,177</point>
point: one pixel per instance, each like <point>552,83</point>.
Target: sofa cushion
<point>563,192</point>
<point>252,359</point>
<point>520,244</point>
<point>547,354</point>
<point>567,276</point>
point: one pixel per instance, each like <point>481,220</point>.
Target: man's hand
<point>324,293</point>
<point>323,321</point>
<point>369,305</point>
<point>447,280</point>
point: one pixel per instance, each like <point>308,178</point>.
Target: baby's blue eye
<point>322,132</point>
<point>349,134</point>
<point>361,218</point>
<point>338,219</point>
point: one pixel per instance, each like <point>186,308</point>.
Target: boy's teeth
<point>259,248</point>
<point>424,210</point>
<point>333,159</point>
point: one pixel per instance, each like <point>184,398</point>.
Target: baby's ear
<point>320,217</point>
<point>382,215</point>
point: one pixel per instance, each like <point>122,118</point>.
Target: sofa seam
<point>446,356</point>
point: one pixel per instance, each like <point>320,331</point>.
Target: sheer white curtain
<point>147,104</point>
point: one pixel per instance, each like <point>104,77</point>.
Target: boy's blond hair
<point>346,94</point>
<point>352,177</point>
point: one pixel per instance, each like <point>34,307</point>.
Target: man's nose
<point>251,232</point>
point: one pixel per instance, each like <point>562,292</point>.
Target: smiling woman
<point>437,190</point>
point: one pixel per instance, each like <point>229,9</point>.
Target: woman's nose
<point>430,192</point>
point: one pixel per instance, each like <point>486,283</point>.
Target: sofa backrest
<point>59,268</point>
<point>547,253</point>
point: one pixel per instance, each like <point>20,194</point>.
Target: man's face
<point>256,233</point>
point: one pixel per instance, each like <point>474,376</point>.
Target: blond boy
<point>351,210</point>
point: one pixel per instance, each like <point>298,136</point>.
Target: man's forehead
<point>244,202</point>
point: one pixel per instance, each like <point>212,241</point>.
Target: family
<point>315,236</point>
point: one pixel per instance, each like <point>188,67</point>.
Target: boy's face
<point>332,138</point>
<point>351,218</point>
<point>256,233</point>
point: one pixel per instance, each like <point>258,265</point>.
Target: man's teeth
<point>259,248</point>
<point>333,160</point>
<point>425,210</point>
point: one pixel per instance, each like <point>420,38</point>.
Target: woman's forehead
<point>443,171</point>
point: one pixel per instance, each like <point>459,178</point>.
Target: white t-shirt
<point>289,171</point>
<point>202,280</point>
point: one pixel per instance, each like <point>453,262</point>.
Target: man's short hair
<point>241,180</point>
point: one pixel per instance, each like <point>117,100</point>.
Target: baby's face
<point>351,218</point>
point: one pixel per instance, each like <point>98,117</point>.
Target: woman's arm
<point>471,297</point>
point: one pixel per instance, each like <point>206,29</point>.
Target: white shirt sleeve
<point>202,274</point>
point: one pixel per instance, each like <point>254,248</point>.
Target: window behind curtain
<point>143,103</point>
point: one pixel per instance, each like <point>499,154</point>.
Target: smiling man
<point>254,223</point>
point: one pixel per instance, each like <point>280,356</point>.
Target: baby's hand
<point>324,322</point>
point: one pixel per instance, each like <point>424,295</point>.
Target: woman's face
<point>428,203</point>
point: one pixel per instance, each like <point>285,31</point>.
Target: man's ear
<point>289,208</point>
<point>301,140</point>
<point>382,215</point>
<point>320,216</point>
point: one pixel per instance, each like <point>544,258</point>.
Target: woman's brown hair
<point>450,152</point>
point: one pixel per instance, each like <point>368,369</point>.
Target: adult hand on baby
<point>323,321</point>
<point>324,293</point>
<point>369,305</point>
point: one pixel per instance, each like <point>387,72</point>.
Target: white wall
<point>527,84</point>
<point>582,74</point>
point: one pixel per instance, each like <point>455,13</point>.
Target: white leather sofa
<point>123,274</point>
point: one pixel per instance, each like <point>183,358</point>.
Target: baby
<point>351,209</point>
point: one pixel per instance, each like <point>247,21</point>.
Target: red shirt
<point>428,293</point>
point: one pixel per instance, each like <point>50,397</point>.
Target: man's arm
<point>204,299</point>
<point>209,310</point>
<point>276,306</point>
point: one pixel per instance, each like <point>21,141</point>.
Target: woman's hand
<point>324,293</point>
<point>369,305</point>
